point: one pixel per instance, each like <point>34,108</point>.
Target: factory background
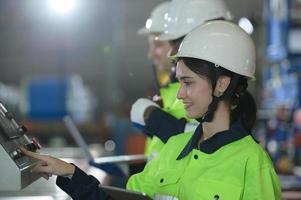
<point>90,63</point>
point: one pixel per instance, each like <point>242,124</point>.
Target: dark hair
<point>241,102</point>
<point>176,42</point>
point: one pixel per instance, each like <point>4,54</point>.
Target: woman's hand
<point>48,166</point>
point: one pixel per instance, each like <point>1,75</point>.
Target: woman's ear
<point>221,85</point>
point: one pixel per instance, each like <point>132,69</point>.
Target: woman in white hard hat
<point>220,159</point>
<point>181,18</point>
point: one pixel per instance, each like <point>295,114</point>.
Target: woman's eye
<point>187,83</point>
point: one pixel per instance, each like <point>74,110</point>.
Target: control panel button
<point>9,115</point>
<point>33,146</point>
<point>16,154</point>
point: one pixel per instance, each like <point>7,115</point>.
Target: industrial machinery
<point>15,167</point>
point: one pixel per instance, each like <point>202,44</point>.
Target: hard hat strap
<point>215,100</point>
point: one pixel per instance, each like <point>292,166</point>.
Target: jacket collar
<point>220,139</point>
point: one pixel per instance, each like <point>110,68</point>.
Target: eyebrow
<point>183,78</point>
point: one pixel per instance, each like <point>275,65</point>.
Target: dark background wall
<point>97,41</point>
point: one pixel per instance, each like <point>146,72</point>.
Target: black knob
<point>31,147</point>
<point>9,115</point>
<point>24,129</point>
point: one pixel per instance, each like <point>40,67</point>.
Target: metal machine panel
<point>15,167</point>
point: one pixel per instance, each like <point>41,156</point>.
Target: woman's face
<point>195,91</point>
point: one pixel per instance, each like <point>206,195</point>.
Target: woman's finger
<point>43,158</point>
<point>43,163</point>
<point>32,154</point>
<point>42,169</point>
<point>45,176</point>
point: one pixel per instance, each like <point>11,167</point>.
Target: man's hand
<point>139,108</point>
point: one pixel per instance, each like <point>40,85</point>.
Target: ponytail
<point>245,111</point>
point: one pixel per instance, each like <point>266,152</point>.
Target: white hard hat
<point>155,23</point>
<point>185,15</point>
<point>223,43</point>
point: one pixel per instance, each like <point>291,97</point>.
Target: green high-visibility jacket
<point>171,105</point>
<point>239,170</point>
<point>153,146</point>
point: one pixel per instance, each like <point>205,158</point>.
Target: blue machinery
<point>282,80</point>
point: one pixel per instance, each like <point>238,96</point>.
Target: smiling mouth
<point>187,106</point>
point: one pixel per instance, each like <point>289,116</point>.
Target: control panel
<point>15,167</point>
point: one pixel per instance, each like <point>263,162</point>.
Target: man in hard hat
<point>158,53</point>
<point>157,50</point>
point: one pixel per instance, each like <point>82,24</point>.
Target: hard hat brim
<point>143,31</point>
<point>168,37</point>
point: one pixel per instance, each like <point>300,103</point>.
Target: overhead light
<point>246,24</point>
<point>62,6</point>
